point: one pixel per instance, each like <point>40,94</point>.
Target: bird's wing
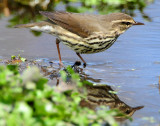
<point>81,24</point>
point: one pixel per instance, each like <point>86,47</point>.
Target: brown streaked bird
<point>83,33</point>
<point>102,95</point>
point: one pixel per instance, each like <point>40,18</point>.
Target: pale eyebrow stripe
<point>121,21</point>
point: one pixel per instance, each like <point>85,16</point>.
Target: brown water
<point>131,66</point>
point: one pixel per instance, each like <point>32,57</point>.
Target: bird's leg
<point>59,54</point>
<point>84,62</point>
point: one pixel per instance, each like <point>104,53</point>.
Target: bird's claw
<point>77,63</point>
<point>84,65</point>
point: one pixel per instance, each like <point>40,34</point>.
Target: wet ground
<point>131,66</point>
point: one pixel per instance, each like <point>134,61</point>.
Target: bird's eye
<point>126,23</point>
<point>127,112</point>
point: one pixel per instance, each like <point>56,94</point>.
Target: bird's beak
<point>138,23</point>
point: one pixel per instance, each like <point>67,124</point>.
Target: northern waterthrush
<point>83,33</point>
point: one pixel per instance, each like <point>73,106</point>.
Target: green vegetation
<point>27,99</point>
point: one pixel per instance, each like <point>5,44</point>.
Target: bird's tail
<point>25,25</point>
<point>43,26</point>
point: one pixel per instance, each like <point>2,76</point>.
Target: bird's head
<point>120,22</point>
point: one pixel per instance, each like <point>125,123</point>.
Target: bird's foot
<point>77,63</point>
<point>61,65</point>
<point>84,65</point>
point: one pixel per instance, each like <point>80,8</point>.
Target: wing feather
<point>79,24</point>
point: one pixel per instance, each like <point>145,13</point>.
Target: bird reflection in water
<point>101,95</point>
<point>97,95</point>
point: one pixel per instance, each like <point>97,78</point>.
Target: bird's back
<point>83,25</point>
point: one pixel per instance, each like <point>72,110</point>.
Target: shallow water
<point>131,66</point>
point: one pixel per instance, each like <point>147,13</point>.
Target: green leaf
<point>41,83</point>
<point>13,68</point>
